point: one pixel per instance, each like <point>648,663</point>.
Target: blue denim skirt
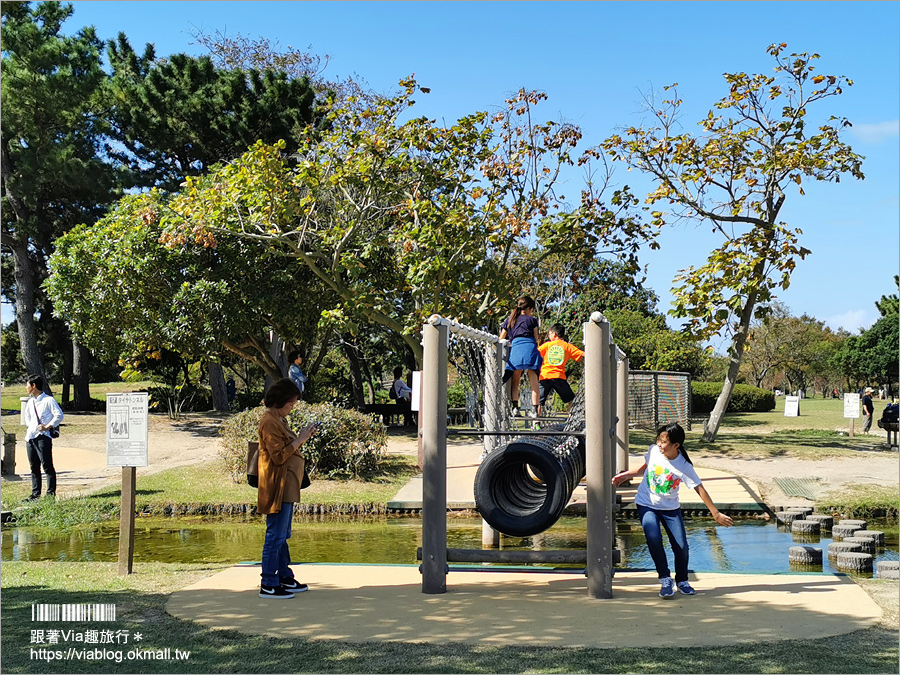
<point>524,355</point>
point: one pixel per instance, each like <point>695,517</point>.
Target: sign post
<point>126,446</point>
<point>851,409</point>
<point>791,406</point>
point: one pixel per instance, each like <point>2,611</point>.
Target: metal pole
<point>435,336</point>
<point>493,406</point>
<point>622,413</point>
<point>598,471</point>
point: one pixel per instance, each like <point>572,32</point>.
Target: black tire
<point>511,499</point>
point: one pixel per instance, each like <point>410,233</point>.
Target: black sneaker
<point>292,585</point>
<point>274,593</point>
<point>32,498</point>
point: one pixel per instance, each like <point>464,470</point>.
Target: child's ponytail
<point>522,303</point>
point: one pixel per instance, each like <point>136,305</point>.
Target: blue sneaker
<point>668,588</point>
<point>685,588</point>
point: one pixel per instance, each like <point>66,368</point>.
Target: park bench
<point>390,412</point>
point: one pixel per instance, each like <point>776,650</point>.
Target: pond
<point>751,546</point>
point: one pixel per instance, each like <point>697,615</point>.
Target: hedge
<point>744,398</point>
<point>348,444</point>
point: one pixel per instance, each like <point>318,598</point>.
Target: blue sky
<point>594,60</point>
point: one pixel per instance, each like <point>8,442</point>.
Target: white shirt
<point>39,410</point>
<point>659,486</point>
<point>402,390</point>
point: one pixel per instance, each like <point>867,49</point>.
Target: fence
<point>656,397</point>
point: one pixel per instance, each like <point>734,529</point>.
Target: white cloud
<point>850,321</point>
<point>876,133</point>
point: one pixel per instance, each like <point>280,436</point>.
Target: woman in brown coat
<point>280,475</point>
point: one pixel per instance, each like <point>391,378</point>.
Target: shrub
<point>744,398</point>
<point>348,444</point>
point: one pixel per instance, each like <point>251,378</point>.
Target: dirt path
<point>80,458</point>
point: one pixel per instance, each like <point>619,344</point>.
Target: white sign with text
<point>851,405</point>
<point>126,429</point>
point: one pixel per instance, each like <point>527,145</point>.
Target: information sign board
<point>126,429</point>
<point>851,405</point>
<point>791,406</point>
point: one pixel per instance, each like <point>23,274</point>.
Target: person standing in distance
<point>868,409</point>
<point>294,371</point>
<point>42,413</point>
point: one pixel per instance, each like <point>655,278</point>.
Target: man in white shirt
<point>42,413</point>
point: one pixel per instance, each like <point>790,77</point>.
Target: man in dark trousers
<point>42,415</point>
<point>868,409</point>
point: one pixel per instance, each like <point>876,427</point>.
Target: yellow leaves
<point>818,79</point>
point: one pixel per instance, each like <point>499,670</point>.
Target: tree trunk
<point>67,370</point>
<point>276,351</point>
<point>711,428</point>
<point>355,373</point>
<point>81,377</point>
<point>217,385</point>
<point>24,276</point>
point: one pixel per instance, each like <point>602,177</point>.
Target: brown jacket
<point>280,465</point>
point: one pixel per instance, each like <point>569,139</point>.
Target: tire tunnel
<point>523,487</point>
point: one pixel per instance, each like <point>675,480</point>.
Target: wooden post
<point>852,426</point>
<point>622,413</point>
<point>126,521</point>
<point>598,472</point>
<point>433,414</point>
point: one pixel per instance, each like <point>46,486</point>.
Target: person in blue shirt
<point>294,371</point>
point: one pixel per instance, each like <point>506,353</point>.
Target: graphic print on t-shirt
<point>556,355</point>
<point>661,481</point>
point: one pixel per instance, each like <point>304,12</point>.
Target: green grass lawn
<point>821,431</point>
<point>140,608</point>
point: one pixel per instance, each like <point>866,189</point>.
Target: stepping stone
<point>842,531</point>
<point>866,545</point>
<point>806,527</point>
<point>851,560</point>
<point>788,517</point>
<point>877,535</point>
<point>805,555</point>
<point>826,521</point>
<point>837,547</point>
<point>860,524</point>
<point>805,510</point>
<point>887,569</point>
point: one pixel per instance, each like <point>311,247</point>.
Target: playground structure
<point>657,396</point>
<point>529,478</point>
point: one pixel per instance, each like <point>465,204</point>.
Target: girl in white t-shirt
<point>665,467</point>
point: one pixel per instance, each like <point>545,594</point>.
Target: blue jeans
<point>276,558</point>
<point>651,519</point>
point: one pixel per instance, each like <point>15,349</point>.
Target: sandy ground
<point>79,454</point>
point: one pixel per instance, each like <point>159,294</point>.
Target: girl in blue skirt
<point>521,328</point>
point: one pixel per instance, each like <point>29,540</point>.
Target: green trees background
<point>218,211</point>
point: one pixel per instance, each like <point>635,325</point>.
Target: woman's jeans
<point>651,519</point>
<point>276,558</point>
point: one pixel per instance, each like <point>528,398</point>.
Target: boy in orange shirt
<point>556,352</point>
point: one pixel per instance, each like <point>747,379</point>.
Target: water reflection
<point>749,546</point>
